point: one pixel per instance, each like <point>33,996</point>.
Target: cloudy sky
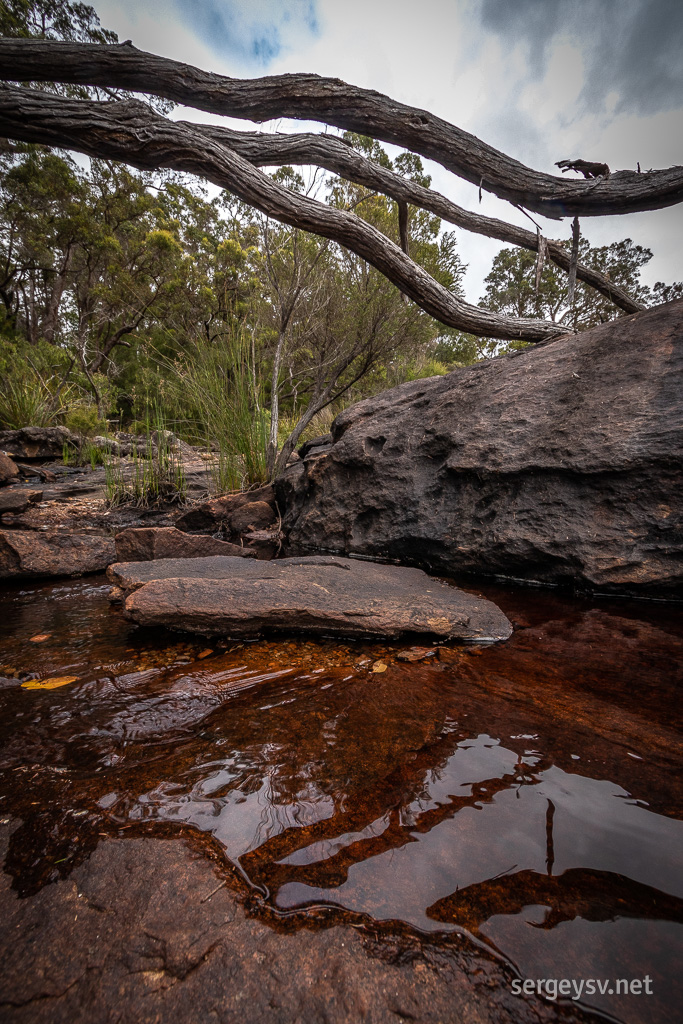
<point>540,79</point>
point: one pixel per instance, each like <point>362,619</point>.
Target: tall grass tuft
<point>216,386</point>
<point>30,401</point>
<point>150,478</point>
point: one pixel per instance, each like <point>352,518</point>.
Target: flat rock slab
<point>18,499</point>
<point>316,594</point>
<point>53,553</point>
<point>154,542</point>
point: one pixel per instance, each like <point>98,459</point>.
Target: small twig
<point>214,892</point>
<point>571,283</point>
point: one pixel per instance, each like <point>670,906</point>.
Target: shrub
<point>84,421</point>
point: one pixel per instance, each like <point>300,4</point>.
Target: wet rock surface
<point>402,844</point>
<point>153,934</point>
<point>28,553</point>
<point>148,543</point>
<point>560,464</point>
<point>314,595</point>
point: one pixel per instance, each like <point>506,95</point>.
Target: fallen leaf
<point>205,654</point>
<point>416,654</point>
<point>40,637</point>
<point>379,666</point>
<point>49,684</point>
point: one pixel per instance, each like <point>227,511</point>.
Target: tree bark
<point>338,156</point>
<point>131,131</point>
<point>331,101</point>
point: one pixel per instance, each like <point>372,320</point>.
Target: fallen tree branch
<point>131,131</point>
<point>331,101</point>
<point>339,157</point>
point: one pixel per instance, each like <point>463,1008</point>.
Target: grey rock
<point>562,464</point>
<point>36,442</point>
<point>153,542</point>
<point>18,499</point>
<point>339,596</point>
<point>53,553</point>
<point>9,470</point>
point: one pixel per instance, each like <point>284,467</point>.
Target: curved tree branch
<point>338,156</point>
<point>331,101</point>
<point>131,131</point>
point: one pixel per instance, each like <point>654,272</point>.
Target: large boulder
<point>152,542</point>
<point>9,471</point>
<point>560,464</point>
<point>36,442</point>
<point>325,595</point>
<point>53,553</point>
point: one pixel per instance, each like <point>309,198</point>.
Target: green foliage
<point>216,389</point>
<point>32,393</point>
<point>511,284</point>
<point>84,421</point>
<point>53,19</point>
<point>153,478</point>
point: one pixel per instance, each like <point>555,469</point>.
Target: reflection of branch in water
<point>578,892</point>
<point>549,842</point>
<point>264,865</point>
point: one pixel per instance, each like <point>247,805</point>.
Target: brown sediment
<point>503,808</point>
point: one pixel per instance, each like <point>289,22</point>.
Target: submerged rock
<point>154,542</point>
<point>53,553</point>
<point>560,464</point>
<point>324,595</point>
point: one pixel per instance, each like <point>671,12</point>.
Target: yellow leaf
<point>40,637</point>
<point>49,684</point>
<point>379,666</point>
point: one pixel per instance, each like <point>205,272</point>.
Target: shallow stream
<point>524,796</point>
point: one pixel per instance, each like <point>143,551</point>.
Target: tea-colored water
<point>525,795</point>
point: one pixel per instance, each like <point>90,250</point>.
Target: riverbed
<point>515,807</point>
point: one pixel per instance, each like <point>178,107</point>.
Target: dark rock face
<point>9,471</point>
<point>316,595</point>
<point>152,542</point>
<point>561,464</point>
<point>145,930</point>
<point>18,499</point>
<point>36,442</point>
<point>53,553</point>
<point>218,512</point>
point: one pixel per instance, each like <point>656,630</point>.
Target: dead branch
<point>131,131</point>
<point>331,101</point>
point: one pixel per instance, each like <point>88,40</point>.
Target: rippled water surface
<point>526,795</point>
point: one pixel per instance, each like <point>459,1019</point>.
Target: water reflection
<point>527,795</point>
